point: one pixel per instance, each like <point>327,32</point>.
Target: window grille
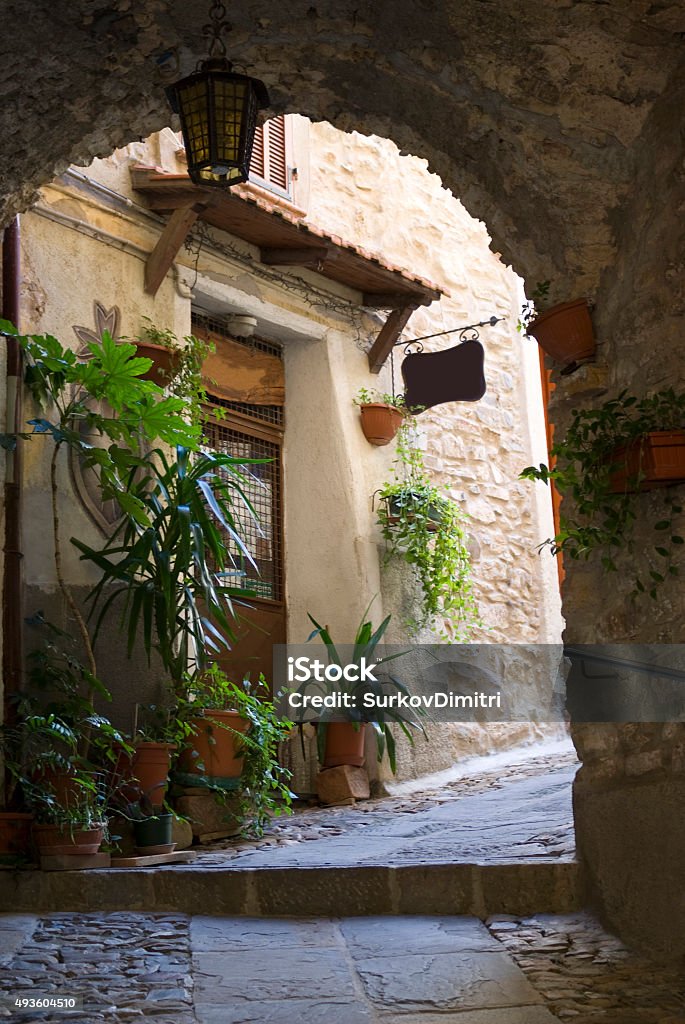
<point>263,488</point>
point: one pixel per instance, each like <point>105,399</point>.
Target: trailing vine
<point>425,527</point>
<point>599,468</point>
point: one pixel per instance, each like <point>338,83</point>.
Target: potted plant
<point>607,457</point>
<point>342,741</point>
<point>58,786</point>
<point>425,527</point>
<point>176,366</point>
<point>169,571</point>
<point>232,738</point>
<point>152,826</point>
<point>381,415</point>
<point>83,401</point>
<point>145,769</point>
<point>563,331</point>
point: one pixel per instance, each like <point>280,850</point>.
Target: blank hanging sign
<point>453,375</point>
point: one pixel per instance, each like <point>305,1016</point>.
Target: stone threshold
<point>478,890</point>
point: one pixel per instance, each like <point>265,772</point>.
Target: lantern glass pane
<point>194,111</point>
<point>229,99</point>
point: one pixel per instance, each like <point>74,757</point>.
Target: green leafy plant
<point>185,379</point>
<point>426,528</point>
<point>264,791</point>
<point>364,650</point>
<point>366,396</point>
<point>532,308</point>
<point>169,570</point>
<point>101,410</point>
<point>595,517</point>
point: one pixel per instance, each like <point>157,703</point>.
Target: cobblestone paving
<point>125,967</point>
<point>588,977</point>
<point>430,812</point>
<point>174,969</point>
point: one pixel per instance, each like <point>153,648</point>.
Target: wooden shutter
<point>269,155</point>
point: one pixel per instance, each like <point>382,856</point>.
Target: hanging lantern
<point>218,111</point>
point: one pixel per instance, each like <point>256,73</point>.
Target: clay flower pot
<point>344,744</point>
<point>145,773</point>
<point>658,458</point>
<point>212,750</point>
<point>56,840</point>
<point>380,422</point>
<point>565,332</point>
<point>150,768</point>
<point>164,362</point>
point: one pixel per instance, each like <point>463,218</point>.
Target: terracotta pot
<point>659,457</point>
<point>344,744</point>
<point>380,422</point>
<point>54,840</point>
<point>15,833</point>
<point>565,332</point>
<point>150,769</point>
<point>67,791</point>
<point>214,745</point>
<point>164,363</point>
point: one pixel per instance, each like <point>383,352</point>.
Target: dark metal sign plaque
<point>453,375</point>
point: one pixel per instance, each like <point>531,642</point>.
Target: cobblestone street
<point>494,812</point>
<point>176,969</point>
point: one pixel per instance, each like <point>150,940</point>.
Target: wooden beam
<point>306,257</point>
<point>388,335</point>
<point>169,242</point>
<point>161,202</point>
<point>394,300</point>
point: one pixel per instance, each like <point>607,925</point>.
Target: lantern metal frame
<point>218,109</point>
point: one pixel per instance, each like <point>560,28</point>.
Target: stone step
<point>479,890</point>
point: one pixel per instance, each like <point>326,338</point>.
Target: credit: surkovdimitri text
<point>383,701</point>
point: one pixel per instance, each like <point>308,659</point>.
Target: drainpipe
<point>12,603</point>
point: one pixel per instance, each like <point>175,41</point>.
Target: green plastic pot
<point>153,831</point>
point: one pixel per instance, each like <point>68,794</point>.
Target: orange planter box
<point>659,458</point>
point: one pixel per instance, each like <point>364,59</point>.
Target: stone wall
<point>558,123</point>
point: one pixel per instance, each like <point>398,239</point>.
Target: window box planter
<point>380,422</point>
<point>565,332</point>
<point>212,752</point>
<point>658,459</point>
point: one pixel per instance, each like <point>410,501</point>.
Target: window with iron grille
<point>263,539</point>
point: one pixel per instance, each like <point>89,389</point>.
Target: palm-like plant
<point>172,567</point>
<point>364,650</point>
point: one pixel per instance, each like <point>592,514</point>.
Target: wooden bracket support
<point>169,242</point>
<point>387,336</point>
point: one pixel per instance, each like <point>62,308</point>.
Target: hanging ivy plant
<point>425,527</point>
<point>607,458</point>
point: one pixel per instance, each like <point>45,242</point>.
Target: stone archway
<point>559,124</point>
